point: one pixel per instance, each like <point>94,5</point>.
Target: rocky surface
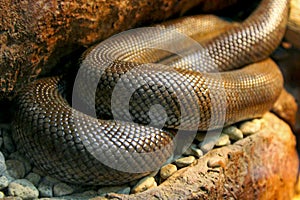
<point>250,166</point>
<point>37,35</point>
<point>293,32</point>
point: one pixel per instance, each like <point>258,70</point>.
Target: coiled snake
<point>59,139</point>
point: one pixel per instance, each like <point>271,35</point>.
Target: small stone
<point>223,140</point>
<point>62,189</point>
<point>193,150</point>
<point>17,156</point>
<point>9,177</point>
<point>207,146</point>
<point>122,189</point>
<point>144,184</point>
<point>3,182</point>
<point>33,178</point>
<point>211,137</point>
<point>233,132</point>
<point>46,188</point>
<point>216,162</point>
<point>250,127</point>
<point>196,151</point>
<point>23,188</point>
<point>15,168</point>
<point>167,171</point>
<point>2,164</point>
<point>185,161</point>
<point>2,195</point>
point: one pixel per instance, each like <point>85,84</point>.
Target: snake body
<point>58,138</point>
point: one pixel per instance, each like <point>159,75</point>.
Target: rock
<point>16,169</point>
<point>216,162</point>
<point>17,156</point>
<point>250,127</point>
<point>3,182</point>
<point>193,150</point>
<point>45,187</point>
<point>233,132</point>
<point>62,189</point>
<point>223,140</point>
<point>35,36</point>
<point>122,189</point>
<point>23,188</point>
<point>2,195</point>
<point>285,107</point>
<point>185,161</point>
<point>144,184</point>
<point>241,162</point>
<point>8,176</point>
<point>167,171</point>
<point>196,151</point>
<point>293,32</point>
<point>2,163</point>
<point>33,178</point>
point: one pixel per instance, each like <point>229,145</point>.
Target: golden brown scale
<point>59,139</point>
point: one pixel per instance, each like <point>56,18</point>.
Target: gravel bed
<point>19,178</point>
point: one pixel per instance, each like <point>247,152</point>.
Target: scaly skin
<point>59,139</point>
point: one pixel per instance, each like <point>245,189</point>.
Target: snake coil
<point>59,139</point>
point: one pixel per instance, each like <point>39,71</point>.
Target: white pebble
<point>250,127</point>
<point>233,132</point>
<point>185,161</point>
<point>167,171</point>
<point>144,184</point>
<point>223,140</point>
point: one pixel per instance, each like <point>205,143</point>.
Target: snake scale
<point>59,139</point>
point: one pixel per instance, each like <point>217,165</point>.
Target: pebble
<point>144,184</point>
<point>61,189</point>
<point>46,188</point>
<point>193,150</point>
<point>250,127</point>
<point>167,171</point>
<point>23,188</point>
<point>17,156</point>
<point>3,182</point>
<point>197,152</point>
<point>216,162</point>
<point>16,169</point>
<point>223,140</point>
<point>185,161</point>
<point>122,189</point>
<point>33,178</point>
<point>207,146</point>
<point>2,195</point>
<point>233,132</point>
<point>8,176</point>
<point>2,163</point>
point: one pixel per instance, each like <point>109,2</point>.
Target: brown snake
<point>59,139</point>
